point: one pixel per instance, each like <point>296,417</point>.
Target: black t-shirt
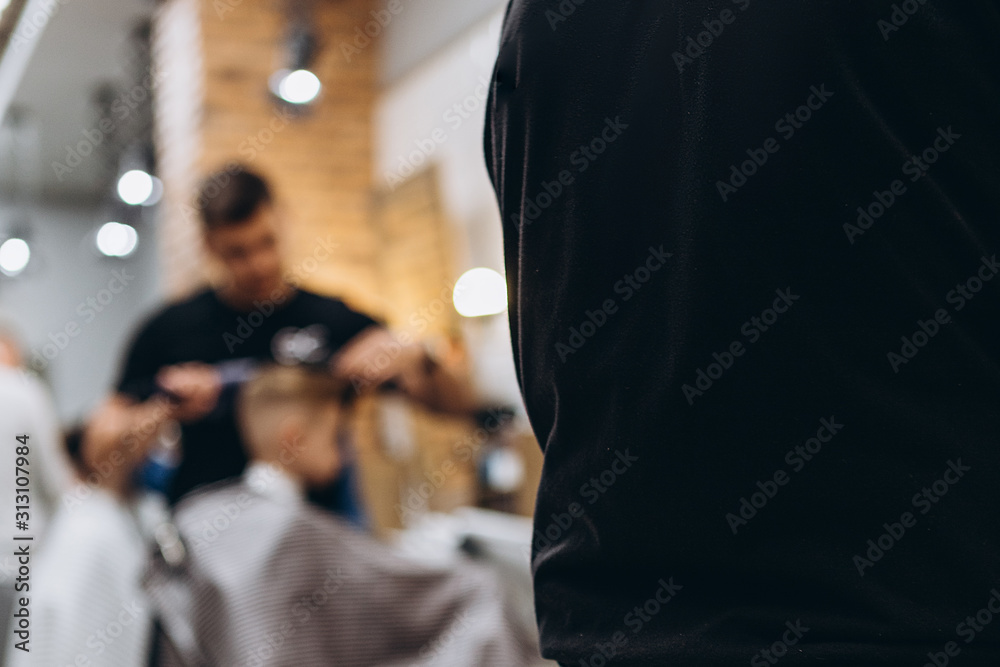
<point>752,258</point>
<point>302,328</point>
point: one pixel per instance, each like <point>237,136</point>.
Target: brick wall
<point>320,164</point>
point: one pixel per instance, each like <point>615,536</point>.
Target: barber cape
<point>26,409</point>
<point>86,603</point>
<point>269,580</point>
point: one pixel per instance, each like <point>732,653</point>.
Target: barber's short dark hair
<point>231,196</point>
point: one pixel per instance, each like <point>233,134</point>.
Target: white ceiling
<point>85,43</point>
<point>424,27</point>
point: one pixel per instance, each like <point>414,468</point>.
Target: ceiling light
<point>135,187</point>
<point>14,256</point>
<point>117,240</point>
<point>296,87</point>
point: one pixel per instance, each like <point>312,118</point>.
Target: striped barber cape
<point>268,580</point>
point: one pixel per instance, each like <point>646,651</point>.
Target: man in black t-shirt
<point>752,252</point>
<point>186,361</point>
<point>302,327</point>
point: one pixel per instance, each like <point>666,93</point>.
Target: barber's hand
<point>374,356</point>
<point>194,385</point>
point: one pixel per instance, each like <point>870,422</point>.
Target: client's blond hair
<point>275,392</point>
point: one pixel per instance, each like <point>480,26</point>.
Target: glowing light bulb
<point>14,256</point>
<point>135,187</point>
<point>480,292</point>
<point>299,87</point>
<point>117,240</point>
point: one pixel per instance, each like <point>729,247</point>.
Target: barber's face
<point>250,253</point>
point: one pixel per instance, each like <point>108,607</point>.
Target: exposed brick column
<point>214,106</point>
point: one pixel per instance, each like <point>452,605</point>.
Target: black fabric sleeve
<point>143,359</point>
<point>672,172</point>
<point>352,322</point>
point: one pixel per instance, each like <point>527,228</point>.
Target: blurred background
<point>367,117</point>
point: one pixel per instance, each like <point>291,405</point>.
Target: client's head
<point>289,417</point>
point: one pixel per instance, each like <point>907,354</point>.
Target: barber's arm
<point>118,435</point>
<point>375,356</point>
<point>117,438</point>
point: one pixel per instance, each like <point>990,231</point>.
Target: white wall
<point>434,115</point>
<point>64,272</point>
<point>421,28</point>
